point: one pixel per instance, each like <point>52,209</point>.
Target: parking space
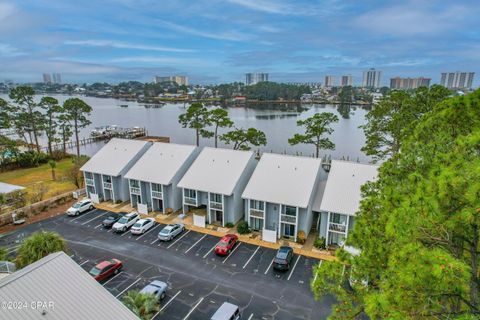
<point>199,280</point>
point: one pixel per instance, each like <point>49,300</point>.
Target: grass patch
<point>28,177</point>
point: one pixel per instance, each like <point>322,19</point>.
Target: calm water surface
<point>278,125</point>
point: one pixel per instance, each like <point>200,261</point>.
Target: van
<point>227,311</point>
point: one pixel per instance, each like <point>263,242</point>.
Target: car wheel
<point>143,231</point>
<point>116,271</point>
<point>90,208</point>
<point>162,296</point>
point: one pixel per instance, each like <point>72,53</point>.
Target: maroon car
<point>106,269</point>
<point>226,244</point>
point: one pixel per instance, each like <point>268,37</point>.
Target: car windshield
<point>77,205</point>
<point>137,225</point>
<point>123,220</point>
<point>166,230</point>
<point>95,271</point>
<point>112,217</point>
<point>282,254</point>
<point>222,244</point>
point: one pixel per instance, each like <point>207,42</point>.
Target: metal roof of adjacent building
<point>343,190</point>
<point>216,170</point>
<point>160,163</point>
<point>283,179</point>
<point>114,156</point>
<point>8,188</point>
<point>59,280</point>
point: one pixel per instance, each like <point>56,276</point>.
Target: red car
<point>226,244</point>
<point>106,269</point>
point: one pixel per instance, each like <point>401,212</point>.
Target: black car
<point>111,219</point>
<point>283,258</point>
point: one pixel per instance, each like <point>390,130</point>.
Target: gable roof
<point>112,158</point>
<point>6,188</point>
<point>160,163</point>
<point>283,179</point>
<point>343,190</point>
<point>216,170</point>
<point>58,279</point>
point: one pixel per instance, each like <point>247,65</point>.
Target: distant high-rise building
<point>371,78</point>
<point>47,78</point>
<point>329,81</point>
<point>457,80</point>
<point>409,83</point>
<point>253,78</point>
<point>57,78</point>
<point>180,80</point>
<point>346,80</point>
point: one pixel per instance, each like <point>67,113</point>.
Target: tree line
<point>206,124</point>
<point>418,226</point>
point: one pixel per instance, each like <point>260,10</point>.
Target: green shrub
<point>242,227</point>
<point>319,243</point>
<point>229,225</point>
<point>301,238</point>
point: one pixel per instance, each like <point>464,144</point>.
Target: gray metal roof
<point>57,279</point>
<point>8,188</point>
<point>112,158</point>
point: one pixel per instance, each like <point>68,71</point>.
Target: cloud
<point>124,45</point>
<point>190,62</point>
<point>264,6</point>
<point>224,35</point>
<point>7,50</point>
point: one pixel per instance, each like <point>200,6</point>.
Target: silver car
<point>157,288</point>
<point>171,231</point>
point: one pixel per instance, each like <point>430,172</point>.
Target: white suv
<point>125,222</point>
<point>80,207</point>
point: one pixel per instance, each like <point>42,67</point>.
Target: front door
<point>219,216</point>
<point>288,230</point>
<point>256,224</point>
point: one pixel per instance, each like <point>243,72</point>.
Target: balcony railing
<point>89,182</point>
<point>157,194</point>
<point>332,226</point>
<point>107,185</point>
<point>256,213</point>
<point>190,201</point>
<point>287,218</point>
<point>216,205</point>
<point>135,190</point>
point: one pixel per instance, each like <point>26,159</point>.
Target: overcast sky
<point>214,41</point>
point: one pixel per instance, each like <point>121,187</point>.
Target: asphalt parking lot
<point>199,280</point>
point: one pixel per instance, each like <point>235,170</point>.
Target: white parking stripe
<point>238,245</point>
<point>188,231</point>
<point>251,316</point>
<point>166,304</point>
<point>194,307</point>
<point>158,225</point>
<point>98,226</point>
<point>94,218</point>
<point>83,215</point>
<point>112,278</point>
<point>154,241</point>
<point>269,265</point>
<point>248,261</point>
<point>118,295</point>
<point>127,231</point>
<point>195,243</point>
<point>293,269</point>
<point>316,273</point>
<point>81,264</point>
<point>206,254</point>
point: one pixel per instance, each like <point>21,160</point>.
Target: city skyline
<point>212,42</point>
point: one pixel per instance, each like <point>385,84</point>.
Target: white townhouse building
<point>280,194</point>
<point>104,173</point>
<point>215,182</point>
<point>339,199</point>
<point>154,177</point>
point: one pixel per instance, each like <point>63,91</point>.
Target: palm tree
<point>39,245</point>
<point>53,165</point>
<point>144,305</point>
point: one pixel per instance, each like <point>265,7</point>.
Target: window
<point>134,184</point>
<point>156,187</point>
<point>291,211</point>
<point>190,193</point>
<point>257,205</point>
<point>338,218</point>
<point>215,197</point>
<point>256,224</point>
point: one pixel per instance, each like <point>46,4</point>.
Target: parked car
<point>157,288</point>
<point>111,219</point>
<point>226,244</point>
<point>171,231</point>
<point>125,222</point>
<point>283,258</point>
<point>106,269</point>
<point>80,207</point>
<point>142,226</point>
<point>227,311</point>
